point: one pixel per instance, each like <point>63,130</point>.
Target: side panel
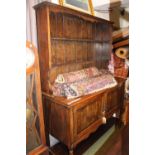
<point>58,121</point>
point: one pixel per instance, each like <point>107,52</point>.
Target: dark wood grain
<point>121,43</point>
<point>69,40</point>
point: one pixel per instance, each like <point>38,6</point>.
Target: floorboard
<point>117,144</point>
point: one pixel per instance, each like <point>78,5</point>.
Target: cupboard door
<point>85,115</point>
<point>112,102</point>
<point>121,97</point>
<point>104,100</point>
<point>121,94</point>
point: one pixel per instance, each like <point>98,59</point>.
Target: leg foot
<point>71,152</point>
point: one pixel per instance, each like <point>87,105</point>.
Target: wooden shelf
<point>122,43</point>
<point>79,40</point>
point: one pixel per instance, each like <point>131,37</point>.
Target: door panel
<point>112,101</point>
<point>86,115</point>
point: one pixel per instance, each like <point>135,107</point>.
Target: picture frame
<point>80,5</point>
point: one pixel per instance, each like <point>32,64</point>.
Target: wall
<point>98,3</point>
<point>120,21</point>
<point>102,15</point>
<point>124,20</point>
<point>115,14</point>
<point>31,33</point>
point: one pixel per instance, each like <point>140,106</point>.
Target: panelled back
<point>77,41</point>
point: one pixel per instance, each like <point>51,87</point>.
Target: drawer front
<point>86,115</point>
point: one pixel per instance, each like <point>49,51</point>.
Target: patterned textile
<point>77,75</point>
<point>111,64</point>
<point>105,71</point>
<point>118,62</point>
<point>120,69</point>
<point>85,86</point>
<point>121,72</point>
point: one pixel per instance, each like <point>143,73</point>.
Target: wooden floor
<point>117,144</point>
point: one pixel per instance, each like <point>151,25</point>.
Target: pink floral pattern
<point>77,75</point>
<point>84,86</point>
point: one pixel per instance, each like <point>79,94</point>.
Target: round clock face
<point>30,58</point>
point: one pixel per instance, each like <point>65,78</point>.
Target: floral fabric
<point>85,86</point>
<point>120,69</point>
<point>77,75</point>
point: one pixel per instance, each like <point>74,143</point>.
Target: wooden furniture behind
<point>69,40</point>
<point>125,115</point>
<point>35,134</point>
<point>120,38</point>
